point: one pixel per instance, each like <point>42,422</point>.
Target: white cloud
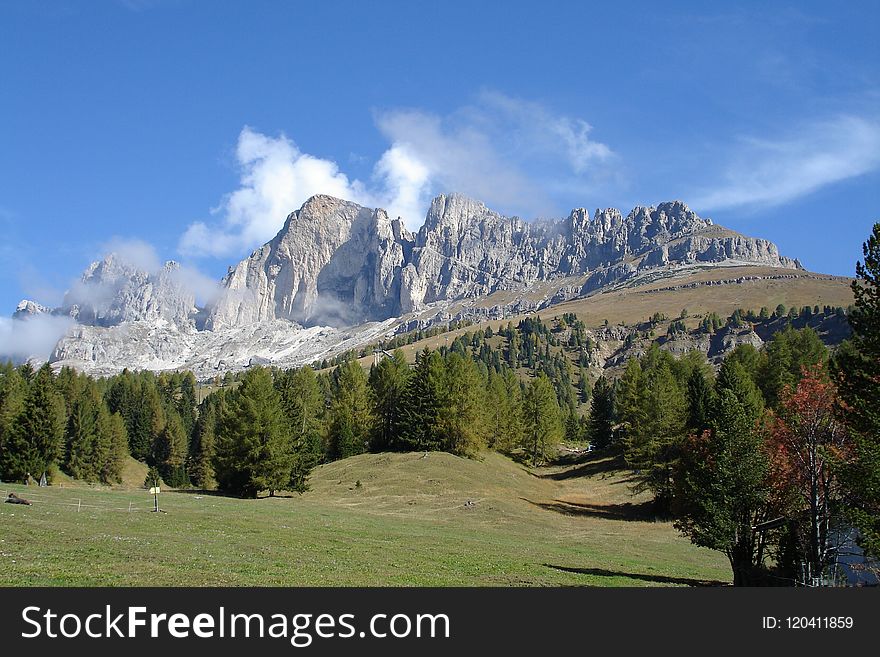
<point>775,172</point>
<point>504,151</point>
<point>29,337</point>
<point>276,178</point>
<point>142,256</point>
<point>135,252</point>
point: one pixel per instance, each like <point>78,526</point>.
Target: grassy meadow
<point>376,519</point>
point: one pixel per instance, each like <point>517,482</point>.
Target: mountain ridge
<point>336,264</point>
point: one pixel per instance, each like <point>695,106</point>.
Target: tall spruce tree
<point>13,391</point>
<point>700,400</point>
<point>111,433</point>
<point>38,435</point>
<point>787,355</point>
<point>170,450</point>
<point>422,403</point>
<point>602,414</point>
<point>388,381</point>
<point>653,447</point>
<point>722,488</point>
<point>303,402</point>
<point>462,416</point>
<point>84,457</point>
<point>351,416</point>
<point>857,362</point>
<point>254,449</point>
<point>541,420</point>
<point>201,469</point>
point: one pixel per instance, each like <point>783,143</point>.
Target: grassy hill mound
<point>435,520</point>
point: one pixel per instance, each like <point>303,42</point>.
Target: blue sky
<point>187,130</point>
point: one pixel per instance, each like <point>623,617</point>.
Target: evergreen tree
<point>201,469</point>
<point>84,459</point>
<point>583,385</point>
<point>351,416</point>
<point>602,414</point>
<point>787,355</point>
<point>461,416</point>
<point>858,365</point>
<point>722,485</point>
<point>503,411</point>
<point>36,442</point>
<point>733,377</point>
<point>542,428</point>
<point>422,403</point>
<point>13,391</point>
<point>631,398</point>
<point>111,432</point>
<point>254,450</point>
<point>700,400</point>
<point>653,446</point>
<point>387,384</point>
<point>303,402</point>
<point>170,450</point>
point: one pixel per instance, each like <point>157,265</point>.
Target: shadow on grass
<point>594,463</point>
<point>659,579</point>
<point>644,511</point>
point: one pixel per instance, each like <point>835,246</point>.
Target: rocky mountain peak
<point>27,308</point>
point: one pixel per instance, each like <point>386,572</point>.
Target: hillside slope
<point>434,521</point>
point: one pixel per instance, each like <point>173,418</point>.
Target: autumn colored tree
<point>807,441</point>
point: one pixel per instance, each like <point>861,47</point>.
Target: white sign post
<point>154,491</point>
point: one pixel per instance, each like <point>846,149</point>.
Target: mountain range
<point>338,275</point>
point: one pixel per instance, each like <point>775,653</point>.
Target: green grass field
<point>435,520</point>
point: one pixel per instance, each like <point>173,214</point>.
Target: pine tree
<point>602,414</point>
<point>653,447</point>
<point>700,400</point>
<point>201,469</point>
<point>111,431</point>
<point>857,362</point>
<point>733,377</point>
<point>787,355</point>
<point>83,458</point>
<point>303,402</point>
<point>351,417</point>
<point>170,450</point>
<point>583,385</point>
<point>631,401</point>
<point>722,484</point>
<point>254,449</point>
<point>461,419</point>
<point>542,428</point>
<point>13,390</point>
<point>388,381</point>
<point>38,435</point>
<point>422,402</point>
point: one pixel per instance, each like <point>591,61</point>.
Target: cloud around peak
<point>508,152</point>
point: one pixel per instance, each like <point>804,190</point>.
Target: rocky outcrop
<point>333,262</point>
<point>112,291</point>
<point>339,263</point>
<point>27,308</point>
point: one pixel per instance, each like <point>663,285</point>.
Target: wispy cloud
<point>507,152</point>
<point>32,337</point>
<point>774,172</point>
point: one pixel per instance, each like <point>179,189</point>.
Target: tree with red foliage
<point>807,444</point>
